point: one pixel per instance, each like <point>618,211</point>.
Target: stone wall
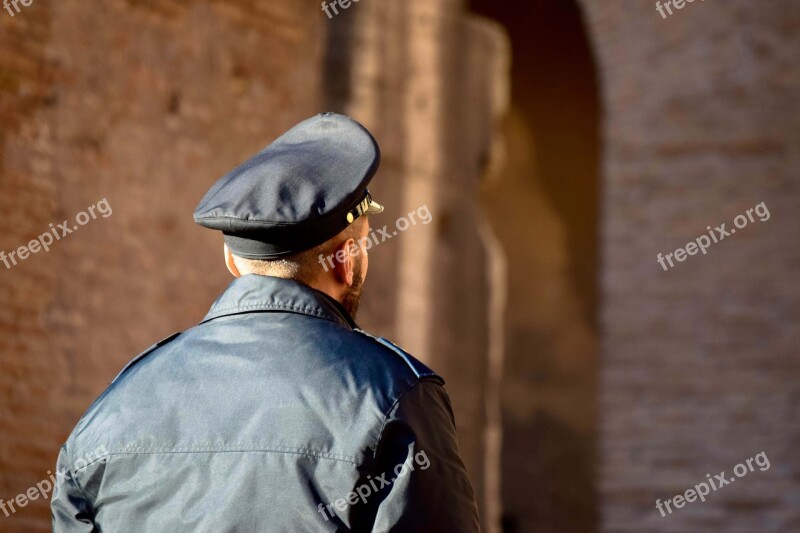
<point>144,104</point>
<point>699,363</point>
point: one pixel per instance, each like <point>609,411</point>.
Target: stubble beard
<point>352,296</point>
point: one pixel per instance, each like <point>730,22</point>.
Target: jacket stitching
<point>74,477</point>
<point>214,449</point>
<point>405,356</point>
<point>386,416</point>
<point>308,310</point>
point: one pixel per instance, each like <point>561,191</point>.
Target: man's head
<point>299,201</point>
<point>337,267</point>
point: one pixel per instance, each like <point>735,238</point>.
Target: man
<point>276,413</point>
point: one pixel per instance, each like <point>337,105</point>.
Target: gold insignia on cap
<point>350,218</point>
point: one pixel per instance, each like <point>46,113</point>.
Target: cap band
<point>360,209</point>
<point>286,240</point>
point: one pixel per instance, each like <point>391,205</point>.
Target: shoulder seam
<point>79,426</point>
<point>159,344</point>
<point>386,416</point>
<point>74,474</point>
<point>392,408</point>
<point>428,375</point>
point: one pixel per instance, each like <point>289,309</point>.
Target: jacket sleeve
<point>71,511</point>
<point>428,489</point>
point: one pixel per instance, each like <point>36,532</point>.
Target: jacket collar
<point>253,293</point>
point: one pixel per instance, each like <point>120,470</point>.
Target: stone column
<point>431,81</point>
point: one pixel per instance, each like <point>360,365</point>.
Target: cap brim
<point>374,208</point>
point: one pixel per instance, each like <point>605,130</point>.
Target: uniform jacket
<point>275,413</point>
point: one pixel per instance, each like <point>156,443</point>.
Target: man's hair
<point>302,266</point>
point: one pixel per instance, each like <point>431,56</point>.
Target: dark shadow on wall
<point>543,207</point>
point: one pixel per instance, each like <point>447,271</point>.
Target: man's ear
<point>345,262</point>
<point>229,262</point>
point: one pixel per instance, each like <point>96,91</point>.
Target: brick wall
<point>699,365</point>
<point>144,104</point>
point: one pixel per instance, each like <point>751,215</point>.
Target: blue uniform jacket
<point>275,413</point>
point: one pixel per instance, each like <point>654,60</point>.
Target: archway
<point>543,207</point>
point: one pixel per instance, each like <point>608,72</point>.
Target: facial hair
<point>352,296</point>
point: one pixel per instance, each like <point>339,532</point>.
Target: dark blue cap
<point>300,191</point>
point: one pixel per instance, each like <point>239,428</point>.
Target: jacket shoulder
<point>147,352</point>
<point>81,425</point>
<point>420,370</point>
